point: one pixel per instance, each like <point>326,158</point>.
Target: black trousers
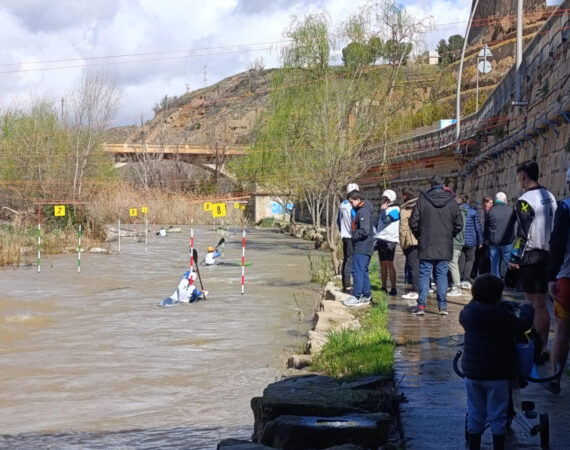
<point>466,261</point>
<point>347,253</point>
<point>411,254</point>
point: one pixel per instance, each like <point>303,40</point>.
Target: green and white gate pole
<point>39,238</point>
<point>79,243</point>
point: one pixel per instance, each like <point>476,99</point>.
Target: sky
<point>153,48</point>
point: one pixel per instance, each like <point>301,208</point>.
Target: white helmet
<point>352,187</point>
<point>389,194</point>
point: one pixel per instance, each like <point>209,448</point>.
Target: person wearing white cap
<point>345,216</point>
<point>388,237</point>
<point>559,284</point>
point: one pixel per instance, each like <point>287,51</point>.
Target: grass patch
<point>321,268</point>
<point>369,350</point>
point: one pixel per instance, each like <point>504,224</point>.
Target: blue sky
<point>46,45</point>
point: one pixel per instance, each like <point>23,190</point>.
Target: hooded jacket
<point>489,351</point>
<point>435,221</point>
<point>407,238</point>
<point>363,229</point>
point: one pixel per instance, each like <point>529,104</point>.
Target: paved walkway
<point>433,415</point>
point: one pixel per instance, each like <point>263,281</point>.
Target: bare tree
<point>92,106</point>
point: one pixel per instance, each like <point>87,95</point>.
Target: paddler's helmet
<point>210,248</point>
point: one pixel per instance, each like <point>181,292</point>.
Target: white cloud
<point>188,35</point>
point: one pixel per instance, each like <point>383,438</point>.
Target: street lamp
<point>483,66</point>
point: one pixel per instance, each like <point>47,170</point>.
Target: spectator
<point>535,211</point>
<point>345,217</point>
<point>388,236</point>
<point>409,243</point>
<point>458,244</point>
<point>363,245</point>
<point>559,285</point>
<point>489,358</point>
<point>473,241</point>
<point>500,232</point>
<point>482,262</point>
<point>435,221</point>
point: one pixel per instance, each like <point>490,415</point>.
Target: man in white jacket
<point>345,217</point>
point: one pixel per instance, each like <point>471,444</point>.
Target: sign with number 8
<point>219,210</point>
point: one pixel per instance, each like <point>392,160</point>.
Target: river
<point>89,361</point>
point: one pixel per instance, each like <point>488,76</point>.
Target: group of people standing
<point>443,236</point>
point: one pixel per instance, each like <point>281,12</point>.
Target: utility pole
<point>458,102</point>
<point>205,76</point>
<point>518,75</point>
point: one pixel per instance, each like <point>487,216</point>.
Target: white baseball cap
<point>352,187</point>
<point>389,194</point>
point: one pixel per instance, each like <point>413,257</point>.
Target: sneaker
<point>347,290</point>
<point>553,387</point>
<point>393,291</point>
<point>465,285</point>
<point>443,312</point>
<point>383,289</point>
<point>353,301</point>
<point>411,296</point>
<point>454,292</point>
<point>431,290</point>
<point>418,310</point>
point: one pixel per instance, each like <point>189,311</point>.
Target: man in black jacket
<point>435,221</point>
<point>363,246</point>
<point>500,232</point>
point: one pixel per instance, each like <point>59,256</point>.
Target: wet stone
<point>298,432</point>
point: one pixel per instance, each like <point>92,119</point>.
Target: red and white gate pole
<point>39,238</point>
<point>243,262</point>
<point>190,280</point>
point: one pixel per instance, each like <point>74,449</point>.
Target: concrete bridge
<point>209,158</point>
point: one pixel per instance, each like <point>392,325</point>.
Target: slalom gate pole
<point>79,242</point>
<point>243,262</point>
<point>135,228</point>
<point>145,230</point>
<point>153,228</point>
<point>222,236</point>
<point>190,280</point>
<point>119,235</point>
<point>39,239</point>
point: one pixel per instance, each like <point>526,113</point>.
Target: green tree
<point>357,54</point>
<point>450,50</point>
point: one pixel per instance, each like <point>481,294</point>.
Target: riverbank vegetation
<point>368,350</point>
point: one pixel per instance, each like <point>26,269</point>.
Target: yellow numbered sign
<point>207,206</point>
<point>243,207</point>
<point>144,209</point>
<point>219,210</point>
<point>133,212</point>
<point>236,205</point>
<point>59,210</point>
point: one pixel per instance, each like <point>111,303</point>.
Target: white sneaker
<point>465,285</point>
<point>454,292</point>
<point>411,296</point>
<point>353,301</point>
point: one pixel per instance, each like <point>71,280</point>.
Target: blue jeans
<point>487,401</point>
<point>497,253</point>
<point>360,277</point>
<point>426,268</point>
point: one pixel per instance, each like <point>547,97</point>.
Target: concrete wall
<point>500,136</point>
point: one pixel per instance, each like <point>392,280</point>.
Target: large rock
<point>314,432</point>
<point>335,320</point>
<point>322,396</point>
<point>237,444</point>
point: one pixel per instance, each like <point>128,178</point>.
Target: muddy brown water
<point>89,361</point>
